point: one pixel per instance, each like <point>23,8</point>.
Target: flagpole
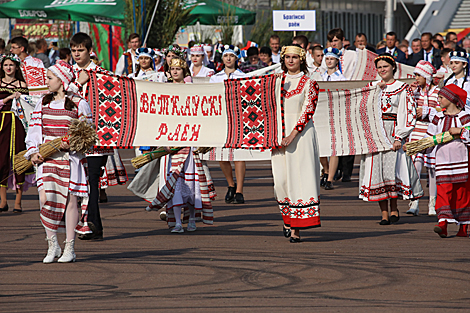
<point>150,25</point>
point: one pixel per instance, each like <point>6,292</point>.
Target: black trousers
<point>346,164</point>
<point>94,172</point>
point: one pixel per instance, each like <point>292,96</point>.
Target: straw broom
<point>145,158</point>
<point>428,142</point>
<point>81,134</point>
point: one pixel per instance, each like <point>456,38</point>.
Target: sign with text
<point>299,20</point>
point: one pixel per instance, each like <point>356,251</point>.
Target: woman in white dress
<point>391,174</point>
<point>199,61</point>
<point>230,55</point>
<point>296,163</point>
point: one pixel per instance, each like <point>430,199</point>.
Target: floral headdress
<point>12,57</point>
<point>176,50</point>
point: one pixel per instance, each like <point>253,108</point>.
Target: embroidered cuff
<point>464,134</point>
<point>30,152</point>
<point>398,138</point>
<point>299,128</point>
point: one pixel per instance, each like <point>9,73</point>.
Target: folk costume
<point>12,132</point>
<point>127,63</point>
<point>183,185</point>
<point>296,167</point>
<point>462,82</point>
<point>426,98</point>
<point>64,172</point>
<point>347,62</point>
<point>391,174</point>
<point>101,172</point>
<point>150,74</point>
<point>204,71</point>
<point>452,165</point>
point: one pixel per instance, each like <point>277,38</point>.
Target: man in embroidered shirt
<point>391,48</point>
<point>81,45</point>
<point>127,62</point>
<point>19,46</point>
<point>317,55</point>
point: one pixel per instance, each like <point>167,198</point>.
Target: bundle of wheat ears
<point>81,135</point>
<point>428,142</point>
<point>148,157</point>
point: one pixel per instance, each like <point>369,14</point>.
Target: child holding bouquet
<point>61,178</point>
<point>452,161</point>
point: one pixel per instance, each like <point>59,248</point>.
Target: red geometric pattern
<point>251,112</point>
<point>113,102</point>
<point>35,76</point>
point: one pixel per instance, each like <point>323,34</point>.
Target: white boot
<point>414,207</point>
<point>69,253</point>
<point>53,251</point>
<point>432,206</point>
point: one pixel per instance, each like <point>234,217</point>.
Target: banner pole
<point>150,25</point>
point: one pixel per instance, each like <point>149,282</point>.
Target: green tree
<point>170,16</point>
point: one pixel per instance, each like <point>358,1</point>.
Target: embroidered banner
<point>348,122</point>
<point>365,67</point>
<point>242,113</point>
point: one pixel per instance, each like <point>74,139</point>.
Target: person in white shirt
<point>127,62</point>
<point>460,73</point>
<point>317,55</point>
<point>199,60</point>
<point>275,45</point>
<point>230,55</point>
<point>81,45</point>
<point>19,47</point>
<point>145,69</point>
<point>348,58</point>
<point>333,73</point>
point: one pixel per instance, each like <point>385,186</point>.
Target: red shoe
<point>463,231</point>
<point>441,229</point>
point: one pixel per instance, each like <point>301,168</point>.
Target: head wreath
<point>293,50</point>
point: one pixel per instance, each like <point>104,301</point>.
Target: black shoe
<point>338,175</point>
<point>92,236</point>
<point>286,232</point>
<point>238,198</point>
<point>4,209</point>
<point>104,200</point>
<point>346,179</point>
<point>329,185</point>
<point>294,240</point>
<point>395,218</point>
<point>323,180</point>
<point>230,194</point>
<point>384,222</point>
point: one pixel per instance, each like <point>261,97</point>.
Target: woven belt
<point>389,117</point>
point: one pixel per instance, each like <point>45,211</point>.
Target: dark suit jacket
<point>399,55</point>
<point>414,58</point>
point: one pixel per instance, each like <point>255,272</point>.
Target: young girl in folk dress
<point>452,161</point>
<point>199,61</point>
<point>230,55</point>
<point>296,164</point>
<point>183,184</point>
<point>12,133</point>
<point>425,93</point>
<point>61,178</point>
<point>333,73</point>
<point>390,174</point>
<point>460,73</point>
